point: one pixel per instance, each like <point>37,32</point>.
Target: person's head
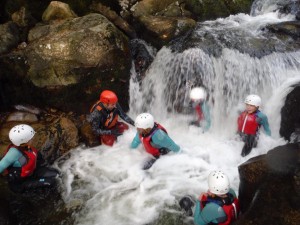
<point>109,99</point>
<point>21,134</point>
<point>144,123</point>
<point>218,183</point>
<point>252,102</point>
<point>198,94</point>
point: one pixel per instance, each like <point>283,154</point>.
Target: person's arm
<point>96,120</point>
<point>263,120</point>
<point>211,213</point>
<point>123,115</point>
<point>197,214</point>
<point>206,113</point>
<point>136,141</point>
<point>161,139</point>
<point>10,158</point>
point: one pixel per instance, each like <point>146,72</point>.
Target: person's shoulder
<point>159,134</point>
<point>261,115</point>
<point>211,206</point>
<point>119,107</point>
<point>13,150</point>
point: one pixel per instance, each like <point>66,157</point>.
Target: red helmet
<point>108,97</point>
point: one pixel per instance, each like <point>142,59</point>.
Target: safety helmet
<point>21,134</point>
<point>253,100</point>
<point>218,183</point>
<point>108,97</point>
<point>198,93</point>
<point>144,121</point>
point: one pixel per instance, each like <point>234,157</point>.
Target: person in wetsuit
<point>21,162</point>
<point>154,138</point>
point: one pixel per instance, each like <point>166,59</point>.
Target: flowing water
<point>107,183</point>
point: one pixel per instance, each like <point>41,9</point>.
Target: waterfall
<point>228,77</point>
<point>107,185</point>
<point>265,6</point>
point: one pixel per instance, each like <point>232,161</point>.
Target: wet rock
<point>290,28</point>
<point>252,173</point>
<point>58,11</point>
<point>269,187</point>
<point>9,37</point>
<point>298,15</point>
<point>290,117</point>
<point>87,134</point>
<point>143,55</point>
<point>74,59</point>
<point>28,108</point>
<point>115,19</point>
<point>23,18</point>
<point>162,21</point>
<point>22,117</point>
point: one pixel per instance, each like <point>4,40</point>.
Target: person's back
<point>217,210</point>
<point>218,206</point>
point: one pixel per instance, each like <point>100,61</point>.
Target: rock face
<point>56,51</point>
<point>9,37</point>
<point>270,187</point>
<point>68,60</point>
<point>290,118</point>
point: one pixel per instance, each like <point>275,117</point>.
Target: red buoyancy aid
<point>247,123</point>
<point>112,117</point>
<point>199,112</point>
<point>147,140</point>
<point>31,157</point>
<point>231,210</point>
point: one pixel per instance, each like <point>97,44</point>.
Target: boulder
<point>58,11</point>
<point>70,61</point>
<point>290,118</point>
<point>269,187</point>
<point>9,37</point>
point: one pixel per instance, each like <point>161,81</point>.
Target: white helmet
<point>21,134</point>
<point>198,93</point>
<point>218,183</point>
<point>144,121</point>
<point>253,100</point>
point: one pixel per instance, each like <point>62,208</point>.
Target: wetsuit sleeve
<point>263,120</point>
<point>161,139</point>
<point>124,116</point>
<point>206,113</point>
<point>210,213</point>
<point>197,214</point>
<point>96,119</point>
<point>136,141</point>
<point>9,159</point>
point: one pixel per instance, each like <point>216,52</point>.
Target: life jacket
<point>31,158</point>
<point>146,140</point>
<point>111,117</point>
<point>199,112</point>
<point>231,209</point>
<point>247,123</point>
